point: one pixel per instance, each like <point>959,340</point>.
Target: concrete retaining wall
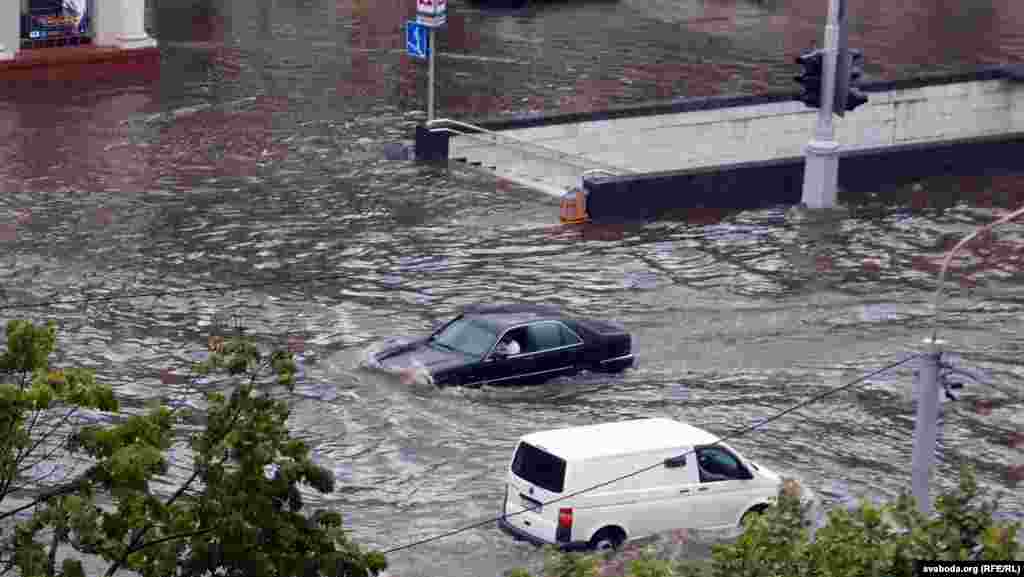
<point>781,129</point>
<point>779,182</point>
<point>747,151</point>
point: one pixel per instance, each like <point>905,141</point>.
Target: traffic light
<point>855,97</point>
<point>849,69</point>
<point>811,77</point>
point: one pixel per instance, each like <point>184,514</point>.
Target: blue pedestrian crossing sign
<point>417,41</point>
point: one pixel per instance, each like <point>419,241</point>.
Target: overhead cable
<point>733,435</point>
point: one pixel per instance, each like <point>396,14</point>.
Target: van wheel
<point>608,538</point>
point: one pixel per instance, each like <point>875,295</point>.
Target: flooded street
<point>256,156</point>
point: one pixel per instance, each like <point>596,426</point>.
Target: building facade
<point>34,24</point>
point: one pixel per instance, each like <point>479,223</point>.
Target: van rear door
<point>535,477</point>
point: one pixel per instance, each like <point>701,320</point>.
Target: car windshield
<point>467,336</point>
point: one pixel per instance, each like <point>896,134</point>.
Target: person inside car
<point>508,346</point>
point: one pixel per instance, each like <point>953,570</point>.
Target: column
<point>10,29</point>
<point>122,24</point>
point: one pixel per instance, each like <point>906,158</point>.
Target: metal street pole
<point>928,385</point>
<point>821,170</point>
<point>430,75</point>
<point>925,427</point>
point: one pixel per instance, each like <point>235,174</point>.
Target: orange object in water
<point>573,209</point>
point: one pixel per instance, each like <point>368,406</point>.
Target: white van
<point>694,483</point>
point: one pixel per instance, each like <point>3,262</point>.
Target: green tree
<point>240,511</point>
<point>869,541</point>
<point>36,407</point>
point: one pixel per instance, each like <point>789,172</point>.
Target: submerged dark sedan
<point>471,349</point>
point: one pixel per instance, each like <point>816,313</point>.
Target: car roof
<point>504,315</point>
<point>619,438</point>
<point>513,309</point>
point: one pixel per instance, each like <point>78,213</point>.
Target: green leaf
<point>28,347</point>
<point>72,568</point>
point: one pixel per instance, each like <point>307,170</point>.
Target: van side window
<point>718,464</point>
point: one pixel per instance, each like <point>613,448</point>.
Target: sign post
<point>430,77</point>
<point>431,14</point>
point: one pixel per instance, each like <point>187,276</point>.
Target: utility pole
<point>821,170</point>
<point>930,381</point>
<point>926,425</point>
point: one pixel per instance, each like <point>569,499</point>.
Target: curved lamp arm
<point>936,310</point>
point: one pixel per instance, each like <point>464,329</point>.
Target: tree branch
<point>42,439</point>
<point>8,565</point>
<point>55,492</point>
<point>32,425</point>
<point>52,451</point>
<point>7,559</point>
<point>196,533</point>
<point>191,378</point>
<point>133,545</point>
<point>52,559</point>
<point>12,472</point>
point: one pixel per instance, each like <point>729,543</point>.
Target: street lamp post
<point>929,383</point>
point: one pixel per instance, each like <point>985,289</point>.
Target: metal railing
<point>496,139</point>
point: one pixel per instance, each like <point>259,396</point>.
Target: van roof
<point>620,438</point>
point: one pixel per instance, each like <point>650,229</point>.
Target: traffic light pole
<point>821,171</point>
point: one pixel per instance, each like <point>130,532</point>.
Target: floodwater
<point>255,154</point>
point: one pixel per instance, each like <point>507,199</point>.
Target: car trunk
<point>615,339</point>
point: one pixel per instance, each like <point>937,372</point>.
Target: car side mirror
<point>673,462</point>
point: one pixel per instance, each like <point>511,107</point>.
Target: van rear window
<point>538,467</point>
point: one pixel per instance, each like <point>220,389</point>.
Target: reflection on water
<point>257,155</point>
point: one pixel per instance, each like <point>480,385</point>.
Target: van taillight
<point>565,518</point>
<point>564,530</point>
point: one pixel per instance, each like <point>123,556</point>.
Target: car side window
<point>718,464</point>
<point>543,336</point>
<point>519,336</point>
<point>568,337</point>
